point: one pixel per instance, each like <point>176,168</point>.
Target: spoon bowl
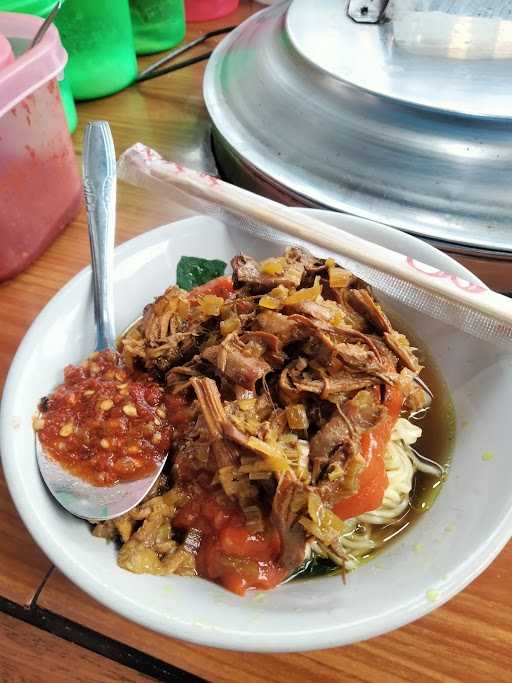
<point>94,503</point>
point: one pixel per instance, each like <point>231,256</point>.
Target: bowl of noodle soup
<point>428,554</point>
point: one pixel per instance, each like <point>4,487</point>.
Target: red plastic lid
<point>25,74</point>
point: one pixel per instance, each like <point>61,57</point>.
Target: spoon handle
<point>99,171</point>
<point>45,25</point>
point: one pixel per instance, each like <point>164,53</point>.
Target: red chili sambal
<point>229,552</point>
<point>105,423</point>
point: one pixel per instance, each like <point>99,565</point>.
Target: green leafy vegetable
<point>192,271</point>
<point>315,566</point>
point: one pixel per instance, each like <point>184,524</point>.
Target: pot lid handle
<point>367,11</point>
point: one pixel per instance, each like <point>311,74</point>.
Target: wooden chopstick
<point>470,306</point>
<point>311,229</point>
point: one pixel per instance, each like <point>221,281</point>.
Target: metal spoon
<point>45,25</point>
<point>99,170</point>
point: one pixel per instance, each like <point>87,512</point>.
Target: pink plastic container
<point>40,187</point>
<point>204,10</point>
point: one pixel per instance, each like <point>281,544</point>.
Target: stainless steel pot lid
<point>365,134</point>
<point>375,57</point>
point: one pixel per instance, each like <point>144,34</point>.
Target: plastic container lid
<point>206,10</point>
<point>33,68</point>
<point>6,55</point>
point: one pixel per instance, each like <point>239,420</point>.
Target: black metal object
<point>367,11</point>
<point>154,70</point>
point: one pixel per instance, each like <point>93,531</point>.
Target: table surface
<point>49,625</point>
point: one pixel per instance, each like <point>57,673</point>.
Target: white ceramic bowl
<point>467,526</point>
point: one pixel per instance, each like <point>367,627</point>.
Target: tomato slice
<point>221,286</point>
<point>262,575</point>
<point>233,582</point>
<point>373,479</point>
<point>393,401</point>
<point>230,553</point>
<point>237,541</point>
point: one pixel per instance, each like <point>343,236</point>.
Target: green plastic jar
<point>97,35</point>
<point>157,24</point>
<point>42,8</point>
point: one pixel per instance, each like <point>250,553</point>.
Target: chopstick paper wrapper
<point>470,306</point>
